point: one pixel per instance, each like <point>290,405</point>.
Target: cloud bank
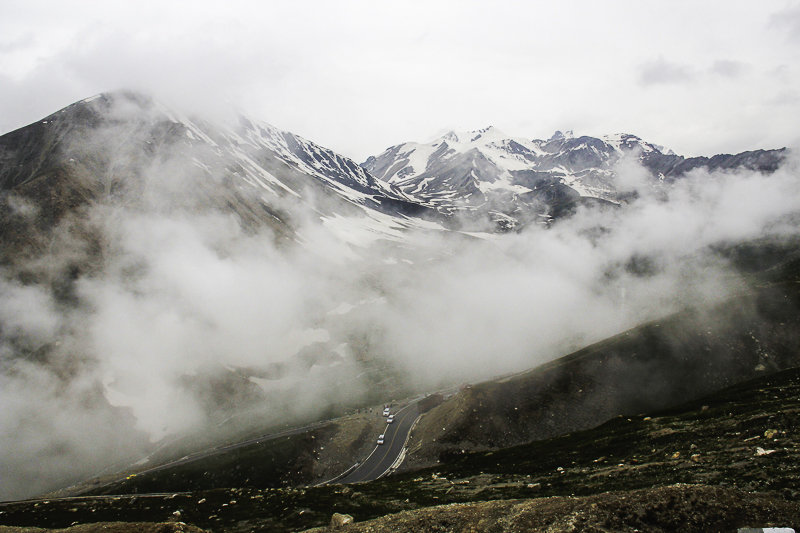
<point>192,316</point>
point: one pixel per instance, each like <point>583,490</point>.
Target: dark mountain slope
<point>654,366</point>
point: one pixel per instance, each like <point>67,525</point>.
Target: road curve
<point>383,456</point>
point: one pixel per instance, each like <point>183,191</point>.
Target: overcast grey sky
<point>358,76</point>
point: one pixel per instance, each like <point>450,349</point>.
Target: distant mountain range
<point>508,176</point>
<point>481,179</point>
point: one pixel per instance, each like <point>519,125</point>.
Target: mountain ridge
<point>474,169</point>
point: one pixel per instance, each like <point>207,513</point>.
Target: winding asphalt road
<point>384,455</point>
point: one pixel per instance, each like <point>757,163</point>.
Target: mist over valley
<point>167,276</point>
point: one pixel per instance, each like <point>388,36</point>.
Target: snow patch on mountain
<point>475,167</point>
<point>278,165</point>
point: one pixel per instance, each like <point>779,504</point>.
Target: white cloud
<point>661,71</point>
<point>359,76</point>
<point>183,290</point>
<point>728,68</point>
<point>788,21</point>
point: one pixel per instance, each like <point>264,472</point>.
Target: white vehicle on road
<point>386,411</point>
<point>390,419</point>
<point>380,438</point>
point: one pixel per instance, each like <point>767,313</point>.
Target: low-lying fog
<point>184,293</point>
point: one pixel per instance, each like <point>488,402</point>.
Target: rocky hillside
<point>650,367</point>
<point>721,462</point>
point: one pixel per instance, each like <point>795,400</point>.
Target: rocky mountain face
<point>66,178</point>
<point>126,149</point>
<point>507,177</point>
<point>107,147</point>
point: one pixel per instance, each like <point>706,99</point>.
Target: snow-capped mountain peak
<point>485,146</point>
<point>559,135</point>
<point>480,136</point>
<point>484,167</point>
<point>624,142</point>
<point>469,166</point>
